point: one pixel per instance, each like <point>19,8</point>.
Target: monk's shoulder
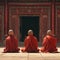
<point>46,37</point>
<point>28,37</point>
<point>50,37</point>
<point>8,38</point>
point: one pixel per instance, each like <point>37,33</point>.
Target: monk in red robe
<point>30,43</point>
<point>11,43</point>
<point>49,43</point>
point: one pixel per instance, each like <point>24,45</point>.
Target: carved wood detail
<point>42,11</point>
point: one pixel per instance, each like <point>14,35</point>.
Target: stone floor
<point>29,56</point>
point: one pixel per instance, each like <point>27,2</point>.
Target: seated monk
<point>30,43</point>
<point>11,43</point>
<point>49,43</point>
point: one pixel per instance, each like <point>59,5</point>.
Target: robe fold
<point>11,44</point>
<point>31,44</point>
<point>49,44</point>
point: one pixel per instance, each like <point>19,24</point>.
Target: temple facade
<point>22,15</point>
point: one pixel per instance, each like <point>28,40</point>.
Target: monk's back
<point>31,43</point>
<point>51,42</point>
<point>12,43</point>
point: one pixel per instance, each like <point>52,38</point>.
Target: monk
<point>11,43</point>
<point>49,43</point>
<point>30,43</point>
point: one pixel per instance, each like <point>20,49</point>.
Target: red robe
<point>11,44</point>
<point>31,44</point>
<point>49,44</point>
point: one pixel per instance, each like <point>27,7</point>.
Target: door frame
<point>22,43</point>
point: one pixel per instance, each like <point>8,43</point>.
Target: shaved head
<point>49,32</point>
<point>10,32</point>
<point>30,32</point>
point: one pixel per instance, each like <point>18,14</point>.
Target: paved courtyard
<point>29,56</point>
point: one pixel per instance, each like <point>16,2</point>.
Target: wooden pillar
<point>53,15</point>
<point>5,17</point>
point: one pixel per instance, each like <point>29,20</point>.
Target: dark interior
<point>29,22</point>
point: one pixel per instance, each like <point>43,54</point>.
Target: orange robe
<point>31,44</point>
<point>11,44</point>
<point>49,44</point>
